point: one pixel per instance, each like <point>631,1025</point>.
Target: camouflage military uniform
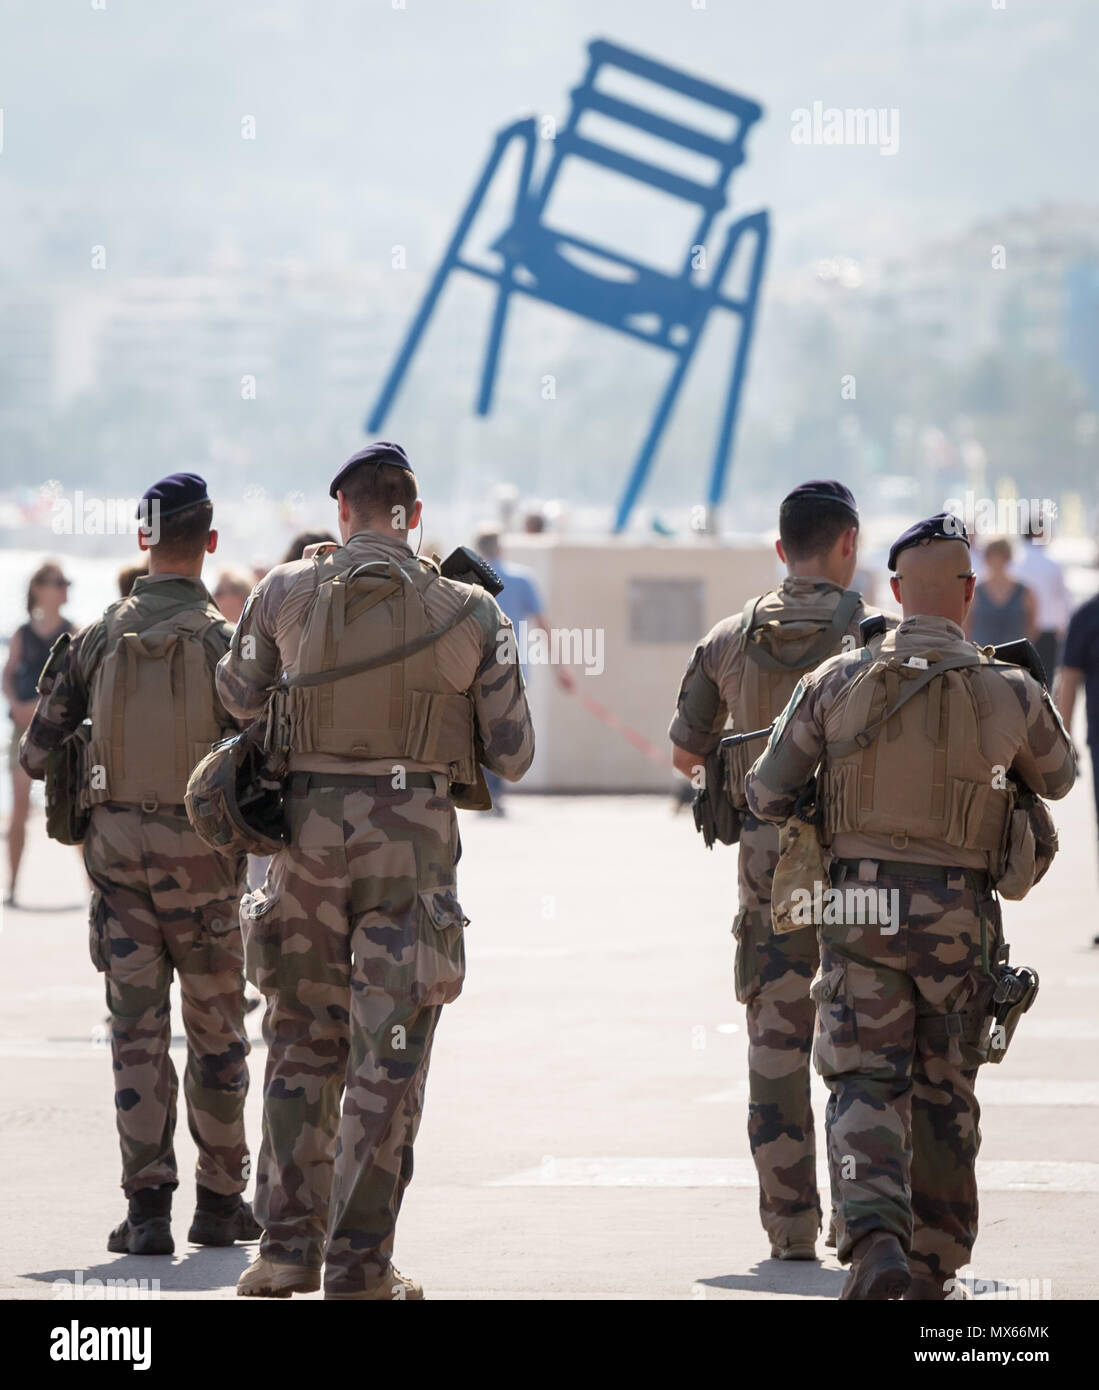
<point>901,1008</point>
<point>163,902</point>
<point>356,938</point>
<point>772,973</point>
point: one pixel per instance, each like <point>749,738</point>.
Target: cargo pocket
<point>99,944</point>
<point>260,931</point>
<point>836,1046</point>
<point>219,949</point>
<point>746,959</point>
<point>439,959</point>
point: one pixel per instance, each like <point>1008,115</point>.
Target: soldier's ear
<point>415,514</point>
<point>780,552</point>
<point>895,586</point>
<point>212,543</point>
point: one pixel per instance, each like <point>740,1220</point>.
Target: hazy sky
<point>121,125</point>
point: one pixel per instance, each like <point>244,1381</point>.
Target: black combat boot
<point>222,1219</point>
<point>879,1269</point>
<point>147,1229</point>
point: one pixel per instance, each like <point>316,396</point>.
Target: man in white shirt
<point>1040,572</point>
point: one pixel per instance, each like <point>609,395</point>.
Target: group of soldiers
<point>400,689</point>
<point>397,690</point>
<point>915,750</point>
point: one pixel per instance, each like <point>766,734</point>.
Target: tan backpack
<point>153,707</point>
<point>782,641</point>
<point>366,683</point>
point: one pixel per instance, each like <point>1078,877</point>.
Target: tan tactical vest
<point>366,682</point>
<point>153,709</point>
<point>903,755</point>
<point>782,641</point>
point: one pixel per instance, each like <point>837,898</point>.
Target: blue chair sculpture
<point>535,259</point>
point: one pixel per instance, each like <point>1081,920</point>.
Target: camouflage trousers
<point>356,941</point>
<point>163,903</point>
<point>902,1011</point>
<point>772,978</point>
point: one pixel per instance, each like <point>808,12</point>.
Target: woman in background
<point>1002,609</point>
<point>47,594</point>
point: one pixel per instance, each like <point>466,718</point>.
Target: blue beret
<point>175,493</point>
<point>942,527</point>
<point>379,452</point>
<point>824,490</point>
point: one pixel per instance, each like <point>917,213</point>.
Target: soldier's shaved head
<point>934,578</point>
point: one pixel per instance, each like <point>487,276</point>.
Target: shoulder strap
<point>847,746</point>
<point>823,647</point>
<point>389,658</point>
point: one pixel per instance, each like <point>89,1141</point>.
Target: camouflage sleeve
<point>795,748</point>
<point>1047,762</point>
<point>252,662</point>
<point>504,725</point>
<point>701,712</point>
<point>218,640</point>
<point>63,702</point>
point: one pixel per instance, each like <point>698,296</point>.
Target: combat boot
<point>266,1278</point>
<point>392,1286</point>
<point>222,1219</point>
<point>147,1229</point>
<point>796,1250</point>
<point>879,1270</point>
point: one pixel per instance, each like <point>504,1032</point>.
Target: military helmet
<point>234,805</point>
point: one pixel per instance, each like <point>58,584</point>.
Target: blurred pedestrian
<point>1039,571</point>
<point>1003,608</point>
<point>231,594</point>
<point>1081,667</point>
<point>127,575</point>
<point>47,594</point>
<point>296,548</point>
<point>521,602</point>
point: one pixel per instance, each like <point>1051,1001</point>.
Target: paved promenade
<point>584,1132</point>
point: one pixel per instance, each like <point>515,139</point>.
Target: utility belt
<point>299,783</point>
<point>978,880</point>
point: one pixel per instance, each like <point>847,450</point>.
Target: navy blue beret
<point>379,452</point>
<point>175,493</point>
<point>824,490</point>
<point>942,527</point>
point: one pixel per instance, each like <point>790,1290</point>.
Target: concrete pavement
<point>584,1131</point>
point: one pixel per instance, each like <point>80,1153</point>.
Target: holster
<point>1016,990</point>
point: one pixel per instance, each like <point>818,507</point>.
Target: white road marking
<point>994,1175</point>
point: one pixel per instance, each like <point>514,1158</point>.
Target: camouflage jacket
<point>67,702</point>
<point>712,679</point>
<point>1023,734</point>
<point>472,657</point>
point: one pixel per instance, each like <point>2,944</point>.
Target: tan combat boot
<point>796,1250</point>
<point>879,1270</point>
<point>266,1278</point>
<point>392,1286</point>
